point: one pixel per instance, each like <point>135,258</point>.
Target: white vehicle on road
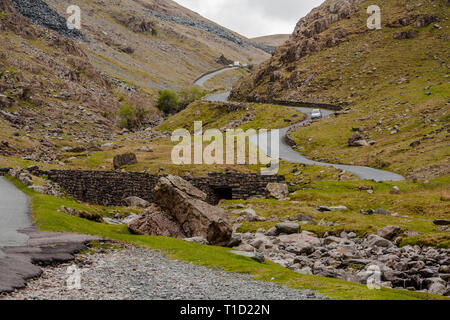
<point>316,114</point>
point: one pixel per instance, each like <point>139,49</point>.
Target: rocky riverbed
<point>353,259</point>
<point>139,274</point>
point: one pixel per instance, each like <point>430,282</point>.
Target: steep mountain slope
<point>153,44</point>
<point>274,40</point>
<point>61,87</point>
<point>49,91</point>
<point>394,82</point>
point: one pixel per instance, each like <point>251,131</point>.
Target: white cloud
<point>253,18</point>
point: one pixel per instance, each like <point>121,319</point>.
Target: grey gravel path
<point>140,274</point>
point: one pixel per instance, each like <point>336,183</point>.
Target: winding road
<point>286,152</point>
<point>202,80</point>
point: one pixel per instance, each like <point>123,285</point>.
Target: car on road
<point>316,114</point>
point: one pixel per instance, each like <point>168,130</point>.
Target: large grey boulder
<point>436,286</point>
<point>288,227</point>
<point>136,202</point>
<point>442,222</point>
<point>124,160</point>
<point>22,175</point>
<point>389,232</point>
<point>357,140</point>
<point>277,191</point>
<point>188,206</point>
<point>156,223</point>
<point>376,241</point>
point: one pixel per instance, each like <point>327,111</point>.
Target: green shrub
<point>168,101</point>
<point>132,118</point>
<point>190,95</point>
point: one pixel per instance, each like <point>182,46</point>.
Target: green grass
<point>48,219</point>
<point>417,207</point>
<point>215,116</point>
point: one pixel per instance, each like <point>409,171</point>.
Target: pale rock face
<point>156,223</point>
<point>277,191</point>
<point>186,204</point>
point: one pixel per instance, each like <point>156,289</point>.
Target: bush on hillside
<point>168,101</point>
<point>190,95</point>
<point>132,118</point>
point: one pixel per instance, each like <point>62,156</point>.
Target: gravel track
<point>140,274</point>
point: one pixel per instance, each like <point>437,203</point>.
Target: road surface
<point>14,215</point>
<point>202,80</point>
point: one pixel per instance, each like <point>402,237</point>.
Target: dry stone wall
<point>109,188</point>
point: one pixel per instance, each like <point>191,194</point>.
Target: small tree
<point>168,101</point>
<point>126,115</point>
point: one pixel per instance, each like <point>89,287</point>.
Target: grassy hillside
<point>396,91</point>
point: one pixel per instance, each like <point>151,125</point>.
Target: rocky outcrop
<point>224,61</point>
<point>306,38</point>
<point>135,23</point>
<point>214,29</point>
<point>187,205</point>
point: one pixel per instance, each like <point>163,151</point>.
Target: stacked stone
<point>109,188</point>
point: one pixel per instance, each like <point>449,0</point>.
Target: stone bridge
<point>109,188</point>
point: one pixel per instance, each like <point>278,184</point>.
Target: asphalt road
<point>201,81</point>
<point>14,215</point>
<point>286,152</point>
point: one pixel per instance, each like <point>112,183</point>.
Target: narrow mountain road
<point>286,152</point>
<point>202,80</point>
<point>14,215</point>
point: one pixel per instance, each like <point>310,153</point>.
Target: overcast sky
<point>253,18</point>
